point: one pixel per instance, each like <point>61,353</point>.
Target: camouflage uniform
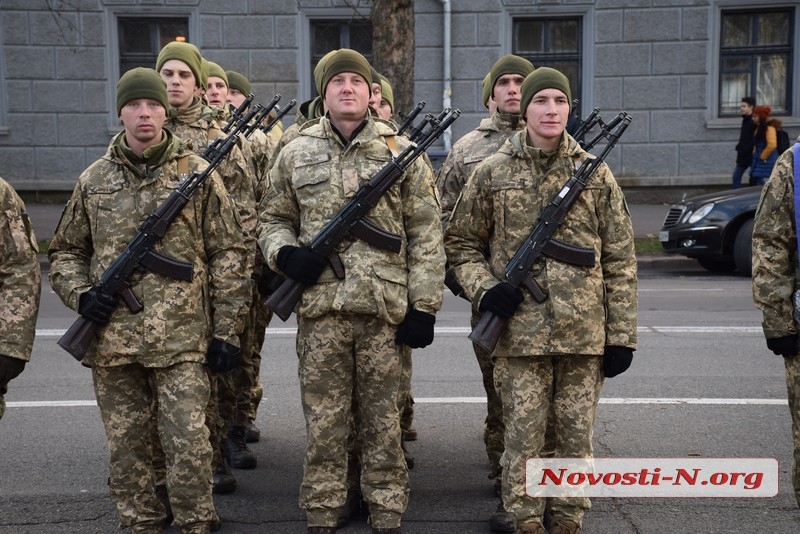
<point>465,155</point>
<point>346,328</point>
<point>776,277</point>
<point>20,280</point>
<point>160,352</point>
<point>196,125</point>
<point>550,353</point>
<point>308,111</point>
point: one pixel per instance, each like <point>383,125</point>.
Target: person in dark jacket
<point>744,148</point>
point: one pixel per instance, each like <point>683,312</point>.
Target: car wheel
<point>717,266</point>
<point>743,249</point>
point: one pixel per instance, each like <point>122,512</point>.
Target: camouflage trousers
<point>125,396</point>
<point>793,389</point>
<point>494,429</point>
<point>404,405</point>
<point>562,389</point>
<point>342,357</point>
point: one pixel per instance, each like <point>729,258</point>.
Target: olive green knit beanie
<point>486,90</point>
<point>319,69</point>
<point>215,70</point>
<point>543,78</point>
<point>346,60</point>
<point>508,64</point>
<point>386,91</point>
<point>239,82</point>
<point>186,52</point>
<point>141,82</point>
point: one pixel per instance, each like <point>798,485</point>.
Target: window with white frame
<point>755,59</point>
<point>328,34</point>
<point>551,42</point>
<point>141,39</point>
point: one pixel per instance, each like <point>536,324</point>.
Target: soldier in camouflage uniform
<point>20,287</point>
<point>351,331</point>
<point>159,353</point>
<point>183,69</point>
<point>501,88</point>
<point>264,146</point>
<point>553,353</point>
<point>776,279</point>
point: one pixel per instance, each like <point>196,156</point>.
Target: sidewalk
<point>646,218</point>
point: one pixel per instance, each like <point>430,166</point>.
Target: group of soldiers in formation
<point>176,369</point>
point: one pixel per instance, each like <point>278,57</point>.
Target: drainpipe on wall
<point>448,89</point>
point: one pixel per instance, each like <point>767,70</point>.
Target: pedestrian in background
<point>744,148</point>
<point>151,365</point>
<point>765,144</point>
<point>20,287</point>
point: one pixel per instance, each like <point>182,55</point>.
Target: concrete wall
<point>653,58</point>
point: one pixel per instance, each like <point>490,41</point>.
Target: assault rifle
<point>411,117</point>
<point>426,125</point>
<point>237,113</point>
<point>281,112</point>
<point>139,253</point>
<point>539,242</point>
<point>350,221</point>
<point>260,116</point>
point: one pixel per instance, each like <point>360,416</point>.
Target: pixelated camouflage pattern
<point>588,307</point>
<point>309,183</point>
<point>238,172</point>
<point>308,111</point>
<point>126,407</point>
<point>566,388</point>
<point>776,277</point>
<point>111,200</point>
<point>341,355</point>
<point>20,276</point>
<point>792,366</point>
<point>775,271</point>
<point>470,150</point>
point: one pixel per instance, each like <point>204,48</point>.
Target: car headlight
<point>699,213</point>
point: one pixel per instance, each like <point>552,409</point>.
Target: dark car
<point>716,229</point>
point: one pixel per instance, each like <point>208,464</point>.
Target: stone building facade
<point>679,67</point>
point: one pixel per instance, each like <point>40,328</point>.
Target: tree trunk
<point>393,49</point>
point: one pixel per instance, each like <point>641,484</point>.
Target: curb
<point>664,262</point>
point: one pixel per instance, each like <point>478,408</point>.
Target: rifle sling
<point>567,253</point>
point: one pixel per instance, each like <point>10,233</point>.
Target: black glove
<point>301,264</point>
<point>10,368</point>
<point>223,356</point>
<point>416,330</point>
<point>96,305</point>
<point>616,360</point>
<point>785,346</point>
<point>502,300</point>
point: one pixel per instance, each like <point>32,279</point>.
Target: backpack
<point>783,141</point>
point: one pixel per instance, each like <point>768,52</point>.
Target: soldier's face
<point>347,96</point>
<point>384,110</point>
<point>143,119</point>
<point>375,96</point>
<point>546,117</point>
<point>180,82</point>
<point>507,93</point>
<point>236,97</point>
<point>217,93</point>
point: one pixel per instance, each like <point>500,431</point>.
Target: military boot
<point>564,526</point>
<point>407,456</point>
<point>531,528</point>
<point>223,480</point>
<point>236,450</point>
<point>321,530</point>
<point>502,521</point>
<point>252,434</point>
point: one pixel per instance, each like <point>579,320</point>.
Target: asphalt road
<point>702,385</point>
